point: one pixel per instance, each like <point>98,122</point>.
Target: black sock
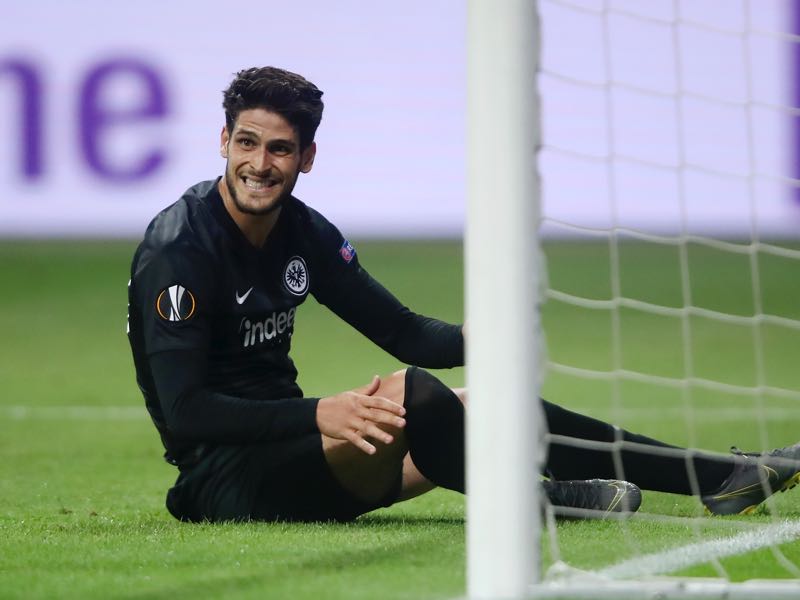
<point>435,429</point>
<point>647,469</point>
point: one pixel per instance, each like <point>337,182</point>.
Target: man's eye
<point>246,142</point>
<point>280,150</point>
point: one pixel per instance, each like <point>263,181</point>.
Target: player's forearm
<point>411,338</point>
<point>192,412</point>
<point>428,342</point>
<point>206,416</point>
<point>378,314</point>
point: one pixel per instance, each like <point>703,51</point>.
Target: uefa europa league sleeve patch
<point>347,252</point>
<point>175,303</point>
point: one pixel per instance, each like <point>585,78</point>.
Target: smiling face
<point>264,159</point>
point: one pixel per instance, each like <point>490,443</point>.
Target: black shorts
<point>289,480</point>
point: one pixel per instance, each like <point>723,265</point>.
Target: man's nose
<point>262,161</point>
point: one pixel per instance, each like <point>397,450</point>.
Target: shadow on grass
<point>414,520</point>
<point>330,570</point>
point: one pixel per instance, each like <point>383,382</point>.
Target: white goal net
<point>666,152</point>
<point>670,222</point>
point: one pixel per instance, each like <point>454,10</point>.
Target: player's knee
<point>435,429</point>
<point>393,387</point>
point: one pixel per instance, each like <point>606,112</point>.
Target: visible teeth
<point>255,184</point>
<point>258,184</point>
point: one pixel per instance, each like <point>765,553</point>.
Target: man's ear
<point>223,142</point>
<point>307,160</point>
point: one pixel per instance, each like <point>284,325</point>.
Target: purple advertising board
<point>659,116</point>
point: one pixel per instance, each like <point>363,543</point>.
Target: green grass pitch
<point>82,481</point>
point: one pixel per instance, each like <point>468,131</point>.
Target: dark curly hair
<point>290,95</point>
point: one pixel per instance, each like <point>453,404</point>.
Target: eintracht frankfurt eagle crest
<point>295,276</point>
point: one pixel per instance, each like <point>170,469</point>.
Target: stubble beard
<point>249,209</point>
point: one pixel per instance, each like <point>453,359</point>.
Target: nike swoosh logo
<point>620,494</point>
<point>242,298</point>
<point>771,475</point>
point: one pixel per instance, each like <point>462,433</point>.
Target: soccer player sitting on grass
<point>215,288</point>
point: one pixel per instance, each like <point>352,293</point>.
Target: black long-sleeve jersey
<point>211,319</point>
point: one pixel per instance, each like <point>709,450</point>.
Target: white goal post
<point>501,285</point>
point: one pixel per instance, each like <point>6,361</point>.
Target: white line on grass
<point>122,413</point>
<point>75,413</point>
<point>706,414</point>
<point>683,557</point>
